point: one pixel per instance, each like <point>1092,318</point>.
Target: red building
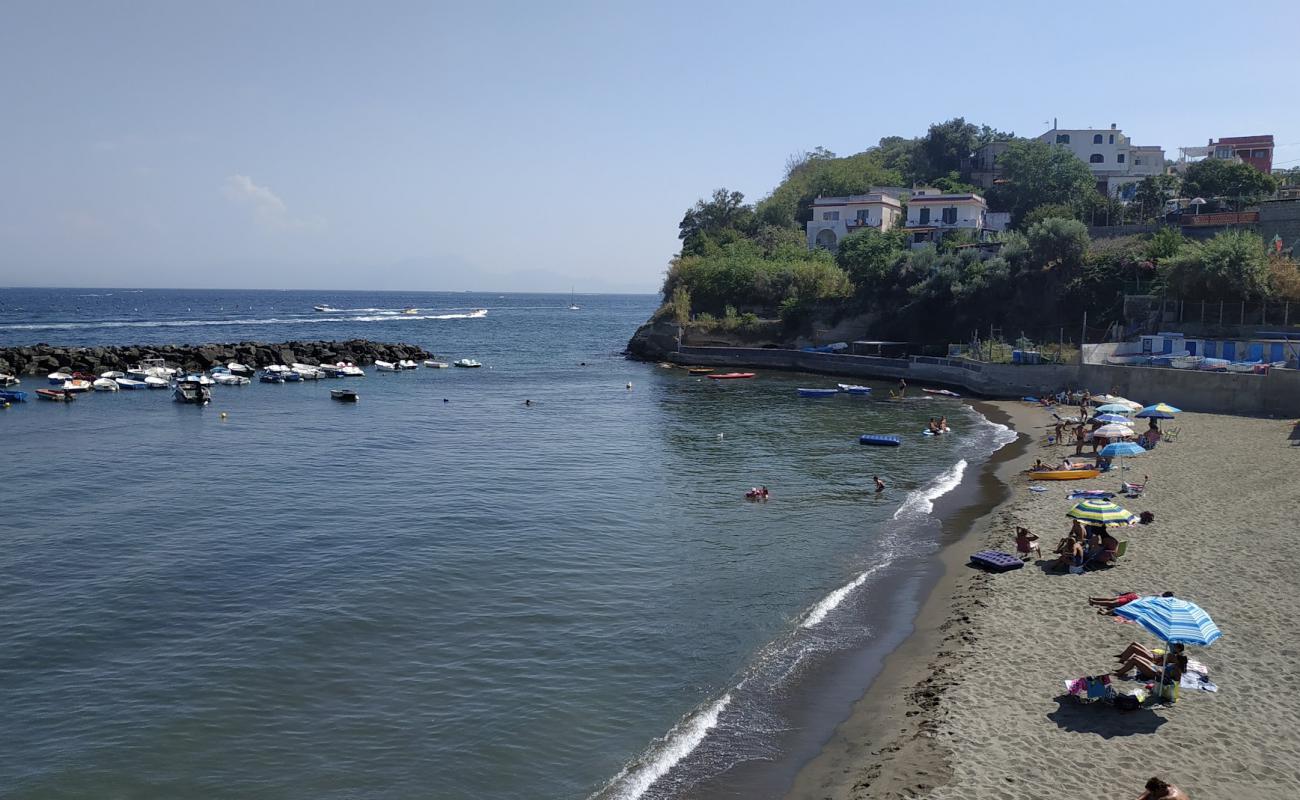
<point>1256,151</point>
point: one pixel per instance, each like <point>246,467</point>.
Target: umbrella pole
<point>1164,664</point>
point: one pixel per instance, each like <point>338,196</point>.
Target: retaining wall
<point>1276,394</point>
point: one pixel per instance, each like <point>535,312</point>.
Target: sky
<point>538,146</point>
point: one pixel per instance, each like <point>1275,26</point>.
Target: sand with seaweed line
<point>972,706</point>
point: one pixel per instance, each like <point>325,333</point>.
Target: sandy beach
<point>973,706</point>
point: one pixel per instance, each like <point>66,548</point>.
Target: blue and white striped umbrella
<point>1122,449</point>
<point>1120,418</point>
<point>1173,620</point>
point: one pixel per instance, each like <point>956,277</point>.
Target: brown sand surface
<point>973,706</point>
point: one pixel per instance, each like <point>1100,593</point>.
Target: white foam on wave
<point>828,603</point>
<point>636,778</point>
<point>187,323</point>
<point>921,501</point>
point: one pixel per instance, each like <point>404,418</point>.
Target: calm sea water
<point>437,592</point>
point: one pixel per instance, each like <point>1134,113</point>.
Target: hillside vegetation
<point>743,262</point>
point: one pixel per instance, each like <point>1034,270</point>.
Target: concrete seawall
<point>1276,394</point>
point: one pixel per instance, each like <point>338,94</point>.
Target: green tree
<point>1049,211</point>
<point>1036,173</point>
<point>1231,265</point>
<point>870,257</point>
<point>1058,243</point>
<point>681,305</point>
<point>1152,192</point>
<point>1238,182</point>
<point>710,219</point>
<point>947,143</point>
<point>1164,243</point>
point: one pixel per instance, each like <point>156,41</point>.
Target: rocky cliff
<point>42,359</point>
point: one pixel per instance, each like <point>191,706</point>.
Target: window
<point>1096,139</point>
<point>1096,158</point>
<point>830,216</point>
<point>950,215</point>
<point>1137,161</point>
<point>1062,138</point>
<point>863,214</point>
<point>1112,138</point>
<point>925,216</point>
<point>1120,158</point>
<point>1259,154</point>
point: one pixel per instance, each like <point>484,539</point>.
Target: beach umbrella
<point>1173,620</point>
<point>1118,419</point>
<point>1113,431</point>
<point>1114,408</point>
<point>1158,411</point>
<point>1121,449</point>
<point>1098,511</point>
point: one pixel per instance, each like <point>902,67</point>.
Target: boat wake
<point>188,323</point>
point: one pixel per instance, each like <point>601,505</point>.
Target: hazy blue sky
<point>534,146</point>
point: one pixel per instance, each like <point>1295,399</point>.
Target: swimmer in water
<point>880,485</point>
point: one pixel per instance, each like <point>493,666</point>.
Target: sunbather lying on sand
<point>1135,649</point>
<point>1111,603</point>
<point>1150,669</point>
<point>1159,790</point>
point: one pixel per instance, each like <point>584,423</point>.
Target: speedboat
<point>429,362</point>
<point>350,370</point>
<point>112,374</point>
<point>129,383</point>
<point>12,396</point>
<point>306,371</point>
<point>237,368</point>
<point>189,390</point>
<point>330,371</point>
<point>344,395</point>
<point>104,385</point>
<point>407,363</point>
<point>155,367</point>
<point>57,395</point>
<point>271,377</point>
<point>323,308</point>
<point>228,379</point>
<point>467,363</point>
<point>290,376</point>
<point>154,382</point>
<point>76,385</point>
<point>385,366</point>
<point>410,311</point>
<point>59,378</point>
<point>9,380</point>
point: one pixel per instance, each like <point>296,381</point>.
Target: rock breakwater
<point>41,359</point>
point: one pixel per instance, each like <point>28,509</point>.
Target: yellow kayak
<point>1064,474</point>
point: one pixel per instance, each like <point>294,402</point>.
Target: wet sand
<point>972,704</point>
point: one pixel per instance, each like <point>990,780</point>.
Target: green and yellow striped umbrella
<point>1096,511</point>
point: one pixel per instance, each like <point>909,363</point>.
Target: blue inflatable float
<point>879,439</point>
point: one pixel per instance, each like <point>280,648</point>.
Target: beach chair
<point>1171,435</point>
<point>1134,489</point>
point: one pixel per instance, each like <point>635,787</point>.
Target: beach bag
<point>1147,517</point>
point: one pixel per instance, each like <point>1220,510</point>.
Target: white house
<point>931,214</point>
<point>833,218</point>
<point>1116,163</point>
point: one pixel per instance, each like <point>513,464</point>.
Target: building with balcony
<point>931,215</point>
<point>1256,151</point>
<point>982,166</point>
<point>833,218</point>
<point>1116,163</point>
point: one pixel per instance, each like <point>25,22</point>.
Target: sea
<point>443,591</point>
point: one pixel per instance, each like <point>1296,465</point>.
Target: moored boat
<point>12,396</point>
<point>271,377</point>
<point>407,363</point>
<point>1186,362</point>
<point>9,380</point>
<point>229,379</point>
<point>58,378</point>
<point>344,395</point>
<point>350,370</point>
<point>130,383</point>
<point>56,395</point>
<point>104,385</point>
<point>385,366</point>
<point>1243,366</point>
<point>467,363</point>
<point>237,368</point>
<point>730,376</point>
<point>190,390</point>
<point>817,392</point>
<point>155,382</point>
<point>77,385</point>
<point>433,364</point>
<point>852,388</point>
<point>112,374</point>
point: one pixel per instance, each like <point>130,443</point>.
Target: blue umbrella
<point>1114,408</point>
<point>1158,411</point>
<point>1122,449</point>
<point>1173,620</point>
<point>1120,418</point>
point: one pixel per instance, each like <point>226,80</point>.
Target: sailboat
<point>572,305</point>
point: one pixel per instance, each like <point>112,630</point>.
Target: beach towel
<point>1085,494</point>
<point>1037,488</point>
<point>1197,681</point>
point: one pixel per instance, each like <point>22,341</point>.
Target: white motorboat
<point>59,378</point>
<point>129,383</point>
<point>191,391</point>
<point>1243,366</point>
<point>385,366</point>
<point>324,308</point>
<point>151,367</point>
<point>237,368</point>
<point>1186,362</point>
<point>76,385</point>
<point>104,385</point>
<point>407,363</point>
<point>112,374</point>
<point>154,382</point>
<point>349,370</point>
<point>8,380</point>
<point>467,363</point>
<point>229,379</point>
<point>429,362</point>
<point>306,371</point>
